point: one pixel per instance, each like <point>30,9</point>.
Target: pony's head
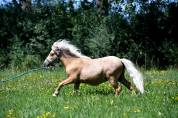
<point>53,55</point>
<point>58,48</point>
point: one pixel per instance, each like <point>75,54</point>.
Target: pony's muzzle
<point>46,63</point>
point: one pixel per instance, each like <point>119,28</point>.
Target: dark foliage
<point>148,36</point>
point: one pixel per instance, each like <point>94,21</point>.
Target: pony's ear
<point>60,40</point>
<point>58,49</point>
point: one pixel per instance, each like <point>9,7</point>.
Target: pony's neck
<point>67,59</point>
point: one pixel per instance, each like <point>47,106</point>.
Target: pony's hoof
<point>134,92</point>
<point>54,94</point>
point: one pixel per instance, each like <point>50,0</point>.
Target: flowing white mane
<point>66,45</point>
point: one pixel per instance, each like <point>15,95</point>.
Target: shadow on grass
<point>94,92</point>
<point>99,92</point>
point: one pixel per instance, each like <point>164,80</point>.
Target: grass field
<point>30,96</point>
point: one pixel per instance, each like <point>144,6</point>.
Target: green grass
<point>30,96</point>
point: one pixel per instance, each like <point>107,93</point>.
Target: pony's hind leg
<point>76,87</point>
<point>125,82</point>
<point>115,85</point>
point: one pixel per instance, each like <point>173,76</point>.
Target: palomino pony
<point>83,69</point>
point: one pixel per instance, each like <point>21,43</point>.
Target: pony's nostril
<point>45,63</point>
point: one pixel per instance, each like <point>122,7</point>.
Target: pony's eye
<point>52,54</point>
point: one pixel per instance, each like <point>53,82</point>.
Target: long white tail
<point>134,73</point>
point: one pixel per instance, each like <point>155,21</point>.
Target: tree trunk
<point>26,5</point>
<point>103,6</point>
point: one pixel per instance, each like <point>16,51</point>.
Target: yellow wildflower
<point>10,114</point>
<point>47,115</point>
<point>66,107</point>
<point>136,110</point>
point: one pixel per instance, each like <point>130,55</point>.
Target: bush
<point>147,37</point>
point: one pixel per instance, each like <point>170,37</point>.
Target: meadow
<point>30,96</point>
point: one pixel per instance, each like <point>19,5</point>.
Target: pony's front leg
<point>69,80</point>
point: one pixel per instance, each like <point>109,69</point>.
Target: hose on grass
<point>21,74</point>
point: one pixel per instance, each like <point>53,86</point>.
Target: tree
<point>26,5</point>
